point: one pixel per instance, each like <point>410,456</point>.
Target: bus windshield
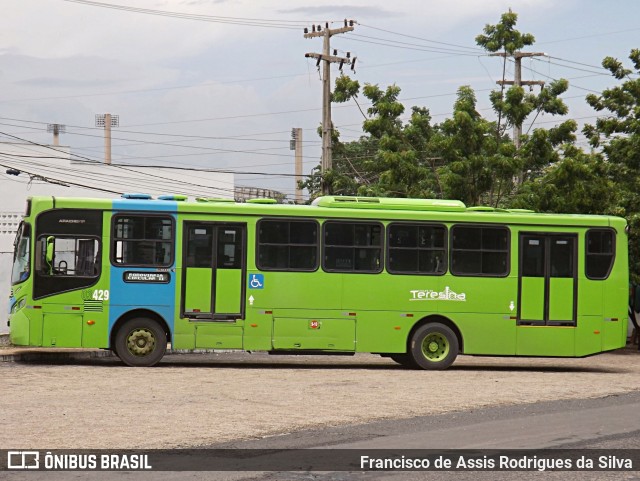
<point>21,254</point>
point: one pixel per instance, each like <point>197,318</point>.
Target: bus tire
<point>434,346</point>
<point>405,360</point>
<point>140,342</point>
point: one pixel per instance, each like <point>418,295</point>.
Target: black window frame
<point>83,223</point>
<point>114,239</point>
<point>452,251</point>
<point>587,253</point>
<point>388,248</point>
<point>289,220</point>
<point>381,247</point>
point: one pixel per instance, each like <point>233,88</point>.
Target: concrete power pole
<point>328,59</point>
<point>107,121</point>
<point>296,144</point>
<point>517,81</point>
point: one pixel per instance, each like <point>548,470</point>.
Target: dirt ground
<point>195,400</point>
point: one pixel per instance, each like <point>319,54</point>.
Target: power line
<point>477,49</point>
<point>62,181</point>
<point>406,47</point>
<point>163,134</point>
<point>126,182</point>
<point>157,89</point>
<point>588,36</point>
<point>94,162</point>
<point>252,22</point>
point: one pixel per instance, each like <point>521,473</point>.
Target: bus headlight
<point>18,305</point>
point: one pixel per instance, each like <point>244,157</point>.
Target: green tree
<point>353,167</point>
<point>516,105</point>
<point>578,183</point>
<point>477,167</point>
<point>617,134</point>
<point>402,165</point>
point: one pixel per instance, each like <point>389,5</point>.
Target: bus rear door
<point>547,294</point>
<point>213,281</point>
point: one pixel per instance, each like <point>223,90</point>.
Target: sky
<point>219,84</point>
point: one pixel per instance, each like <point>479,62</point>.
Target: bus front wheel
<point>140,342</point>
<point>434,346</point>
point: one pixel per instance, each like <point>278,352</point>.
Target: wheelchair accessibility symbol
<point>256,281</point>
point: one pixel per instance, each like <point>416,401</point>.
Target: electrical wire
<point>412,46</point>
<point>353,37</point>
<point>253,22</point>
<point>476,49</point>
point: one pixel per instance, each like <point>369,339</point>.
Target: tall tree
<point>578,183</point>
<point>617,134</point>
<point>516,105</point>
<point>477,167</point>
<point>505,38</point>
<point>402,165</point>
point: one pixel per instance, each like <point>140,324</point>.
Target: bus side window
<point>352,247</point>
<point>479,251</point>
<point>142,240</point>
<point>287,245</point>
<point>600,253</point>
<point>416,249</point>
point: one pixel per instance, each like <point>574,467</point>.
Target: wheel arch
<point>138,313</point>
<point>442,320</point>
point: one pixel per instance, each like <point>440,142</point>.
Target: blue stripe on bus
<point>155,297</point>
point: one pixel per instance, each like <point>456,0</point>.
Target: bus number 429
<point>100,295</point>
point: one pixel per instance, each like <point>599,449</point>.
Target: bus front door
<point>214,272</point>
<point>547,294</point>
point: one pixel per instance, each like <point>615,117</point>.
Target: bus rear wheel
<point>140,342</point>
<point>434,346</point>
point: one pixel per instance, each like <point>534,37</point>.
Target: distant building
<point>243,193</point>
<point>45,171</point>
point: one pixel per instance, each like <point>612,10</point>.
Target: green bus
<point>416,280</point>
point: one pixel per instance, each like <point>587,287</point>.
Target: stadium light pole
<point>57,129</point>
<point>107,121</point>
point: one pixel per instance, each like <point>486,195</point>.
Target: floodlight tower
<point>107,121</point>
<point>296,144</point>
<point>57,129</point>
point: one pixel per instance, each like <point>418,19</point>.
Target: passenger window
<point>479,251</point>
<point>143,241</point>
<point>417,249</point>
<point>352,247</point>
<point>600,247</point>
<point>287,245</point>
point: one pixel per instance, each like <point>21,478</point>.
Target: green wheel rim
<point>435,347</point>
<point>141,342</point>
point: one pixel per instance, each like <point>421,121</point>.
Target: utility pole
<point>107,121</point>
<point>57,129</point>
<point>517,81</point>
<point>296,144</point>
<point>328,59</point>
